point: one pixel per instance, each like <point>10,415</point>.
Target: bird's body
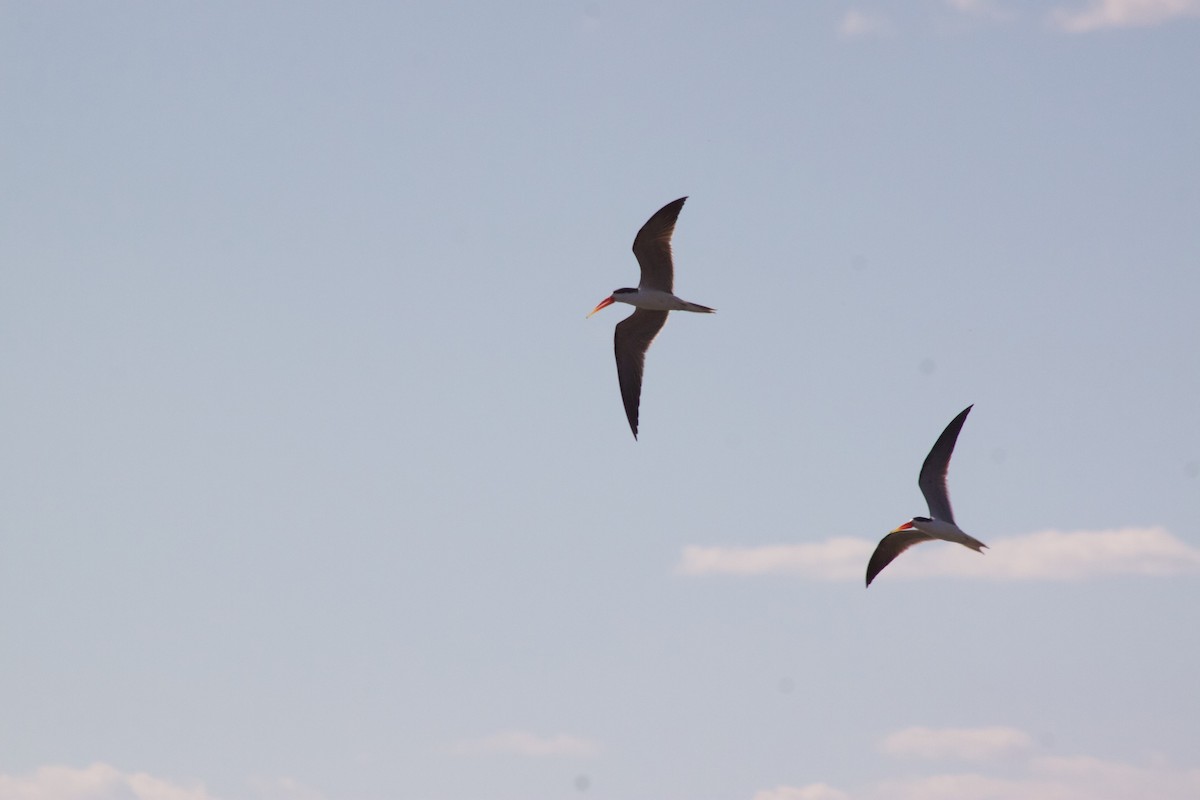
<point>656,300</point>
<point>940,522</point>
<point>653,300</point>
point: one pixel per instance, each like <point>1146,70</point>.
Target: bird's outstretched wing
<point>631,340</point>
<point>652,246</point>
<point>891,546</point>
<point>933,471</point>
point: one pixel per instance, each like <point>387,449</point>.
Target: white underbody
<point>657,300</point>
<point>947,531</point>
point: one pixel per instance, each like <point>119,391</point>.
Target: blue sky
<point>316,483</point>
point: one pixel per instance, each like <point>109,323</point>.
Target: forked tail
<point>970,541</point>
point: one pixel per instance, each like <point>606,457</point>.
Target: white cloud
<point>1122,14</point>
<point>856,24</point>
<point>522,743</point>
<point>1071,555</point>
<point>1034,778</point>
<point>97,782</point>
<point>1112,779</point>
<point>1044,555</point>
<point>968,6</point>
<point>982,7</point>
<point>972,15</point>
<point>1079,778</point>
<point>968,744</point>
<point>814,791</point>
<point>968,786</point>
<point>833,559</point>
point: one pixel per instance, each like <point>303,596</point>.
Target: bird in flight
<point>652,300</point>
<point>940,522</point>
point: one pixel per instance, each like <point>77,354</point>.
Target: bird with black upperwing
<point>653,300</point>
<point>940,522</point>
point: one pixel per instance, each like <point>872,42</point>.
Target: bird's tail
<point>697,308</point>
<point>970,541</point>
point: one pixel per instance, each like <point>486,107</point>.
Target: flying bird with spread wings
<point>652,300</point>
<point>940,522</point>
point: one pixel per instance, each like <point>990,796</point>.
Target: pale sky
<point>316,483</point>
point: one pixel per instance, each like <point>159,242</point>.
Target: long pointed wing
<point>891,546</point>
<point>652,246</point>
<point>631,340</point>
<point>933,471</point>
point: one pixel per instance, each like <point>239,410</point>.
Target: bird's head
<point>913,524</point>
<point>612,298</point>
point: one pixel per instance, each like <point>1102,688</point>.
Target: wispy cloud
<point>1038,777</point>
<point>968,6</point>
<point>1100,14</point>
<point>1077,778</point>
<point>976,7</point>
<point>814,791</point>
<point>959,17</point>
<point>967,744</point>
<point>1066,555</point>
<point>97,782</point>
<point>833,559</point>
<point>1045,555</point>
<point>858,24</point>
<point>523,743</point>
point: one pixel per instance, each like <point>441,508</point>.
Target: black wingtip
<point>676,204</point>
